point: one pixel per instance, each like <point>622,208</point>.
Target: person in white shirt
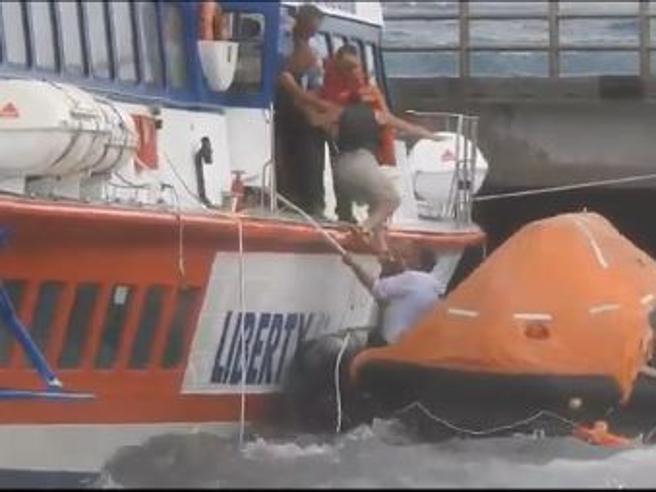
<point>404,294</point>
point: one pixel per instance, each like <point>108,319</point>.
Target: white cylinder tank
<point>49,129</point>
<point>433,167</point>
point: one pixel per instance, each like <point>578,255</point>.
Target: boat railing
<point>458,205</point>
<point>467,49</point>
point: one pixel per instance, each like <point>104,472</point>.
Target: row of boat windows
<point>125,41</point>
<point>106,40</point>
<point>78,330</point>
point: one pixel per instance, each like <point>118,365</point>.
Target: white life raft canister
<point>49,129</point>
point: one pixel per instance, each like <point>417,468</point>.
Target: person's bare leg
<point>380,213</point>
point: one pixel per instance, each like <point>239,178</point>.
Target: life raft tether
<point>597,435</point>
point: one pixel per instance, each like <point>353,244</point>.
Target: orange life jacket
<point>347,90</point>
<point>599,435</point>
<point>210,21</point>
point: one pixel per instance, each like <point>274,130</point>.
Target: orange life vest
<point>210,22</point>
<point>347,90</point>
<point>599,435</point>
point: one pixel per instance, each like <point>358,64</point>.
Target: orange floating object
<point>599,435</point>
<point>565,297</point>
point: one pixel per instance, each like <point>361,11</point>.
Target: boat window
<point>370,62</point>
<point>44,39</point>
<point>15,289</point>
<point>176,66</point>
<point>77,332</point>
<point>320,43</point>
<point>181,319</point>
<point>248,30</point>
<point>151,313</point>
<point>96,24</point>
<point>71,35</point>
<point>44,312</point>
<point>124,40</point>
<point>149,42</point>
<point>13,28</point>
<point>358,47</point>
<point>115,317</point>
<point>337,42</point>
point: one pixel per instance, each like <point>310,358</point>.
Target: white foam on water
<point>261,448</point>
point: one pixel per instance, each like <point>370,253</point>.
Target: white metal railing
<point>552,13</point>
<point>460,199</point>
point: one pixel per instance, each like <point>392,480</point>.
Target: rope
<point>485,432</point>
<point>242,307</point>
<point>338,392</point>
<point>314,223</point>
<point>183,182</point>
<point>178,215</point>
<point>554,189</point>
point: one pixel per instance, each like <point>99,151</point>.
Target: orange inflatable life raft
<point>562,309</point>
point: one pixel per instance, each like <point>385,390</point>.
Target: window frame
<point>27,42</point>
<point>63,69</point>
<point>161,85</point>
<point>113,41</point>
<point>32,38</point>
<point>87,40</point>
<point>189,83</point>
<point>194,95</point>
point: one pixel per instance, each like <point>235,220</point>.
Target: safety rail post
<point>457,177</point>
<point>554,39</point>
<point>463,31</point>
<point>645,39</point>
<point>474,142</point>
<point>273,190</point>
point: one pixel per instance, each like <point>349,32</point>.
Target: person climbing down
<point>404,294</point>
<point>356,131</point>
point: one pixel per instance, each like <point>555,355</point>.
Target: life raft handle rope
<point>579,431</point>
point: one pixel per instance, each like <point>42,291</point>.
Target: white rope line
<point>485,432</point>
<point>602,308</point>
<point>593,243</point>
<point>242,307</point>
<point>338,392</point>
<point>555,189</point>
<point>647,299</point>
<point>533,316</point>
<point>463,312</point>
<point>316,224</point>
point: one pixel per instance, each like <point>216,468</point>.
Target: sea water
<point>378,455</point>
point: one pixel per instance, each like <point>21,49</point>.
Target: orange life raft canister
<point>564,296</point>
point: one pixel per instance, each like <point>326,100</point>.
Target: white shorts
<point>360,178</point>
